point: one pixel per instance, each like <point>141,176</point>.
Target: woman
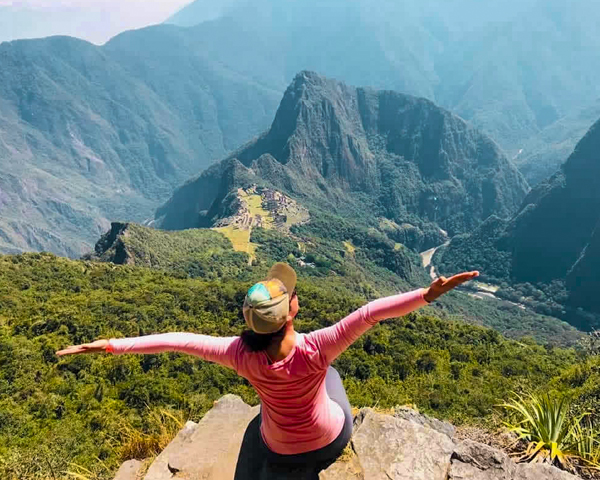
<point>305,414</point>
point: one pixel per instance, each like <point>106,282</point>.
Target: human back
<point>297,413</point>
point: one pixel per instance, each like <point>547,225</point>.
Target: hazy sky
<point>93,20</point>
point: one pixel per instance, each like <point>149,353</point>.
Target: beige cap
<point>267,303</point>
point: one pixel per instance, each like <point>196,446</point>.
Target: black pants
<point>256,461</point>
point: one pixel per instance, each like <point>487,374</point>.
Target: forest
<point>89,413</point>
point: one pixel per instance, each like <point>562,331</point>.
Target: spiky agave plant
<point>547,427</point>
<point>587,443</point>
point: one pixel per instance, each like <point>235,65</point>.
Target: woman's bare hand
<point>99,346</point>
<point>443,285</point>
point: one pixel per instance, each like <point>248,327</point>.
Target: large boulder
<point>476,461</point>
<point>403,446</point>
<point>389,447</point>
<point>531,471</point>
<point>412,415</point>
<point>208,450</point>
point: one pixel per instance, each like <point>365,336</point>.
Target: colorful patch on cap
<point>264,291</point>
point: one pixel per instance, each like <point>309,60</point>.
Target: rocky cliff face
<point>361,151</point>
<point>554,236</point>
<point>558,217</point>
<point>403,446</point>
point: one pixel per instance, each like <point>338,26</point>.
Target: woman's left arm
<point>332,341</point>
<point>221,350</point>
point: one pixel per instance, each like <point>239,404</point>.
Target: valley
<point>147,183</point>
<point>129,121</point>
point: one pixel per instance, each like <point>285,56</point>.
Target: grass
<point>551,433</point>
<point>254,203</point>
<point>240,239</point>
<point>349,247</point>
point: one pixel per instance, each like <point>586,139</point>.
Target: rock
<point>476,461</point>
<point>210,449</point>
<point>129,470</point>
<point>404,446</point>
<point>530,471</point>
<point>393,448</point>
<point>420,419</point>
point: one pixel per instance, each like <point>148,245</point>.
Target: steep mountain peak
<point>318,129</point>
<point>553,239</point>
<point>363,150</point>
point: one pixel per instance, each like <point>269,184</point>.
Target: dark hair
<point>257,342</point>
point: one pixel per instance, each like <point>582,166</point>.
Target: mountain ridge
<point>338,147</point>
<point>552,238</point>
<point>88,137</point>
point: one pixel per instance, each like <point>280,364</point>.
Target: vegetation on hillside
<point>197,253</point>
<point>82,410</point>
<point>374,267</point>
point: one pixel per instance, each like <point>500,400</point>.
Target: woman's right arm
<point>221,350</point>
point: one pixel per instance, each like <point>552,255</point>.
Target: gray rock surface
<point>389,447</point>
<point>208,450</point>
<point>406,446</point>
<point>541,472</point>
<point>420,419</point>
<point>476,461</point>
<point>129,470</point>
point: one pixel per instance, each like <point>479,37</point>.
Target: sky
<point>93,20</point>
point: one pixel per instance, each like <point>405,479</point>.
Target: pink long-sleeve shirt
<point>297,414</point>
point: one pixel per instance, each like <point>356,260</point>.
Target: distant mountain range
<point>512,68</point>
<point>91,134</point>
<point>94,134</point>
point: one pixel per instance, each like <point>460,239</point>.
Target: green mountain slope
<point>59,413</point>
<point>367,155</point>
<point>199,253</point>
<point>92,133</point>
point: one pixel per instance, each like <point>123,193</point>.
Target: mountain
<point>198,253</point>
<point>553,238</point>
<point>368,155</point>
<point>89,133</point>
<point>486,64</point>
<point>544,153</point>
